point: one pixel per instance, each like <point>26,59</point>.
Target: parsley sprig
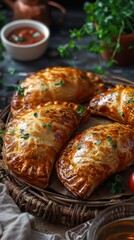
<point>104,21</point>
<point>80,110</point>
<point>115,184</point>
<point>59,84</point>
<point>112,142</point>
<point>25,136</point>
<point>20,90</point>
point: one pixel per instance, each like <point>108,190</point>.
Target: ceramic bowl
<point>25,52</point>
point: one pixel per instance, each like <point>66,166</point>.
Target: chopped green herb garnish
<point>112,142</point>
<point>80,110</point>
<point>25,136</point>
<point>131,100</point>
<point>13,131</point>
<point>99,141</point>
<point>43,125</point>
<point>21,130</point>
<point>122,114</point>
<point>47,111</point>
<point>36,35</point>
<point>2,131</point>
<point>99,70</point>
<point>16,38</point>
<point>61,83</point>
<point>49,126</point>
<point>78,147</point>
<point>20,90</point>
<point>35,115</point>
<point>44,89</point>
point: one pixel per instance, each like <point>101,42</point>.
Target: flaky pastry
<point>93,155</point>
<point>56,83</point>
<point>34,138</point>
<point>116,103</point>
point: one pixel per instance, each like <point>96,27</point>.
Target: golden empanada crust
<point>116,103</point>
<point>34,138</point>
<point>95,154</point>
<point>56,83</point>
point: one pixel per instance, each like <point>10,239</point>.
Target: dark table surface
<point>59,35</point>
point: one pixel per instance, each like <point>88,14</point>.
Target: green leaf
<point>35,115</point>
<point>20,90</point>
<point>25,136</point>
<point>115,183</point>
<point>80,110</point>
<point>21,130</point>
<point>4,81</point>
<point>43,125</point>
<point>130,100</point>
<point>78,147</point>
<point>104,22</point>
<point>99,70</point>
<point>16,38</point>
<point>11,70</point>
<point>112,142</point>
<point>64,51</point>
<point>49,126</point>
<point>59,84</point>
<point>36,35</point>
<point>99,142</point>
<point>47,111</point>
<point>2,131</point>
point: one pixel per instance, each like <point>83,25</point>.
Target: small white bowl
<point>25,52</point>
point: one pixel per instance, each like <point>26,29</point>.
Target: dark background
<point>66,3</point>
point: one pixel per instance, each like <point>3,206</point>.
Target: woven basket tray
<point>54,206</point>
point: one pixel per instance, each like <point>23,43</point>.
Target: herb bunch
<point>105,21</point>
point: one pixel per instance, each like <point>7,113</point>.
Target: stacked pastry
<point>95,154</point>
<point>47,108</point>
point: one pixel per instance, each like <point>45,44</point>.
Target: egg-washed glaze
<point>56,83</point>
<point>34,138</point>
<point>95,154</point>
<point>116,103</point>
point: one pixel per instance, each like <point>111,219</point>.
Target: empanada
<point>116,103</point>
<point>34,138</point>
<point>56,83</point>
<point>93,155</point>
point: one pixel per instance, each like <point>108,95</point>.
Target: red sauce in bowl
<point>25,35</point>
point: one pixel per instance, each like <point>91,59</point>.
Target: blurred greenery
<point>3,21</point>
<point>105,22</point>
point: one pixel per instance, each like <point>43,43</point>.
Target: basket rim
<point>55,206</point>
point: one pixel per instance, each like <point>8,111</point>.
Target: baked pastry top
<point>116,103</point>
<point>93,155</point>
<point>56,83</point>
<point>34,138</point>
